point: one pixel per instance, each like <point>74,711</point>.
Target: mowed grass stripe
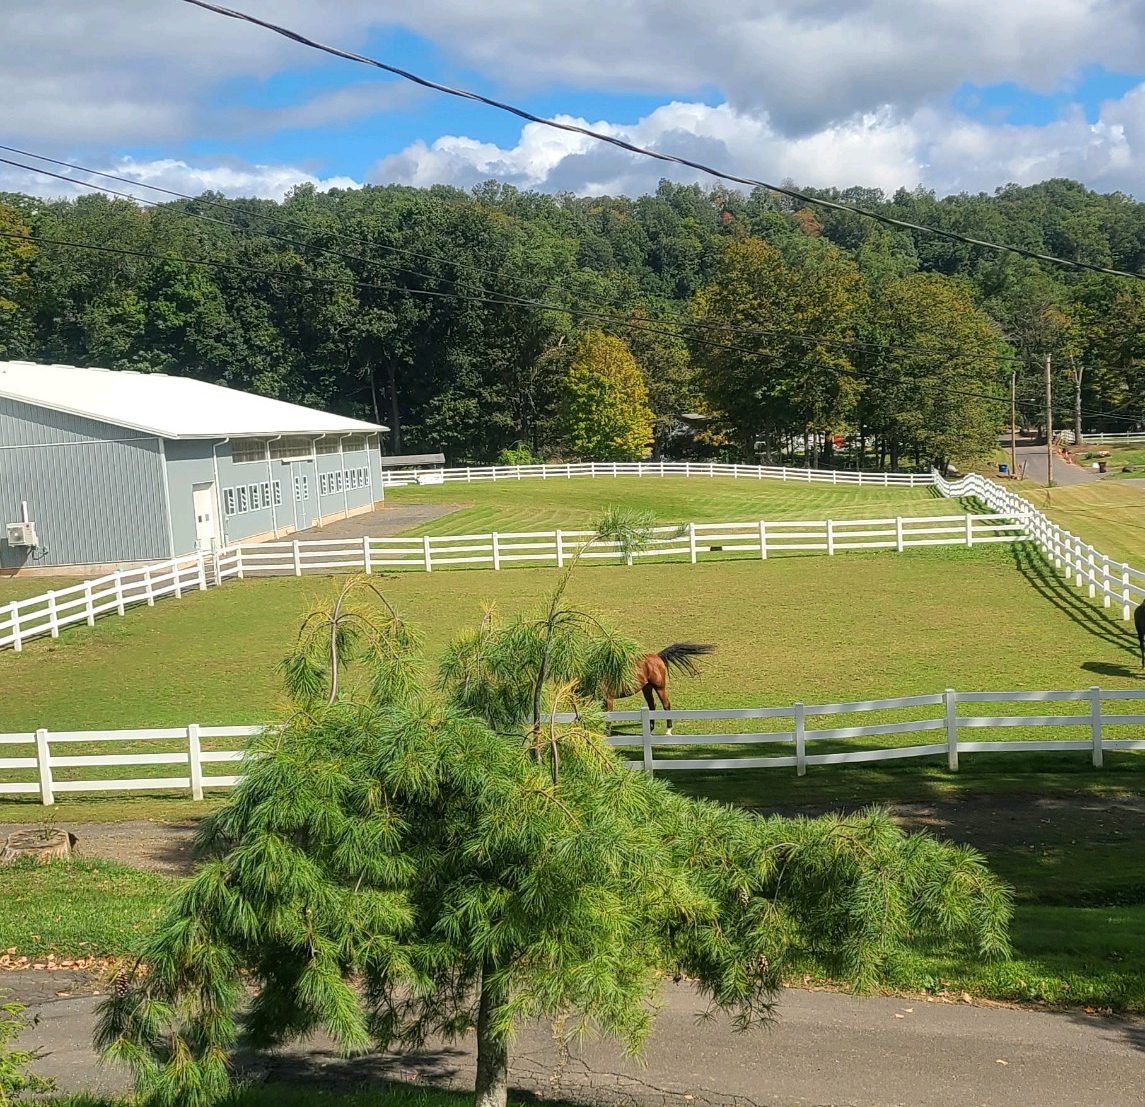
<point>528,505</point>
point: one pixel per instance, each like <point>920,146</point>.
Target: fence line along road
<point>41,762</point>
<point>1101,575</point>
<point>397,478</point>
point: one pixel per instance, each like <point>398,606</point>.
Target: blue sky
<point>950,94</point>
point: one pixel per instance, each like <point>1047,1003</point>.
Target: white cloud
<point>881,149</point>
<point>232,179</point>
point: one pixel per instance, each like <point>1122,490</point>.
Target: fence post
<point>950,699</point>
<point>898,533</point>
<point>1106,595</point>
<point>44,766</point>
<point>119,591</point>
<point>1078,575</point>
<point>762,540</point>
<point>425,553</point>
<point>496,552</point>
<point>830,538</point>
<point>1125,602</point>
<point>53,615</point>
<point>177,578</point>
<point>646,739</point>
<point>800,742</point>
<point>560,550</point>
<point>297,552</point>
<point>969,529</point>
<point>1095,725</point>
<point>366,555</point>
<point>1092,573</point>
<point>240,568</point>
<point>195,760</point>
<point>201,565</point>
<point>692,542</point>
<point>216,568</point>
<point>88,611</point>
<point>148,590</point>
<point>834,477</point>
<point>17,642</point>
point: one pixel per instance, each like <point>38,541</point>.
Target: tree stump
<point>42,844</point>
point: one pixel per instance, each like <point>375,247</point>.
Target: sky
<point>952,95</point>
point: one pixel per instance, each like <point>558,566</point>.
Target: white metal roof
<point>169,407</point>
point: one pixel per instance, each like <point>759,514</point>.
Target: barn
<point>102,469</point>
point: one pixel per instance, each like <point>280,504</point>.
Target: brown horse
<point>651,675</point>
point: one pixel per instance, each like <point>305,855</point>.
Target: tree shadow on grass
<point>1056,589</point>
<point>1129,1031</point>
<point>1104,668</point>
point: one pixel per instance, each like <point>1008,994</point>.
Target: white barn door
<point>206,525</point>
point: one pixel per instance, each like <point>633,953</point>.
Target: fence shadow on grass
<point>1058,590</point>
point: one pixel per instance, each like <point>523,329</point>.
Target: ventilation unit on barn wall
<point>23,533</point>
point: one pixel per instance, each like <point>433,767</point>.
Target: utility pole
<point>1049,427</point>
<point>1014,421</point>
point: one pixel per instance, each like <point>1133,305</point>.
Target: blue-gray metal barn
<point>108,468</point>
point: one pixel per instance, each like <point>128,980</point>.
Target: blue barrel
<point>1003,467</point>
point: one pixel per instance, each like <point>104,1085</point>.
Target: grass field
<point>535,504</point>
<point>1109,515</point>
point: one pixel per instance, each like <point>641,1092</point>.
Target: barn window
<point>244,506</point>
<point>248,449</point>
<point>266,493</point>
<point>356,442</point>
<point>278,493</point>
<point>228,501</point>
<point>286,449</point>
<point>327,446</point>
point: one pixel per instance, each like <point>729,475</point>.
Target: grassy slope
<point>1109,515</point>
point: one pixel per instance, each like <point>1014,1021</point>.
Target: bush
<point>15,1079</point>
<point>518,454</point>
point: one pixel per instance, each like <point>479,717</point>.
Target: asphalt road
<point>825,1050</point>
<point>1034,459</point>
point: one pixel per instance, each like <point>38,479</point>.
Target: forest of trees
<point>481,322</point>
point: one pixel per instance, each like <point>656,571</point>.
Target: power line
<point>643,151</point>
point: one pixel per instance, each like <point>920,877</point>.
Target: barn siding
<point>94,490</point>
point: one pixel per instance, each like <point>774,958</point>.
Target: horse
<point>650,674</point>
<point>1139,623</point>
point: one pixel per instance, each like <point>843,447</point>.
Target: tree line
<point>692,322</point>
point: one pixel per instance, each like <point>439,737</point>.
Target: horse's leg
<point>647,690</point>
<point>665,702</point>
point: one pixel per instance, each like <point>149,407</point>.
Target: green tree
<point>604,413</point>
<point>409,856</point>
<point>16,259</point>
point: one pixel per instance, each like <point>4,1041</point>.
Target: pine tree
<point>412,855</point>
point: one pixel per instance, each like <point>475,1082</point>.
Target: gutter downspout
<point>167,499</point>
<point>317,482</point>
<point>270,484</point>
<point>219,492</point>
<point>345,488</point>
<point>370,467</point>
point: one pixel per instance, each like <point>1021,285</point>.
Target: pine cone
<point>121,985</point>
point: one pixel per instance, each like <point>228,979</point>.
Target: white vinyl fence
<point>396,478</point>
<point>1114,581</point>
<point>942,725</point>
<point>83,602</point>
<point>22,620</point>
<point>758,538</point>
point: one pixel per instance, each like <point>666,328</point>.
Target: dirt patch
<point>985,822</point>
<point>155,847</point>
<point>1000,822</point>
<point>378,524</point>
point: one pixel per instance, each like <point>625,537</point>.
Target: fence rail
<point>40,763</point>
<point>1114,581</point>
<point>593,469</point>
<point>758,538</point>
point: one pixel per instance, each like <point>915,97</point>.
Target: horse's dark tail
<point>1139,623</point>
<point>679,656</point>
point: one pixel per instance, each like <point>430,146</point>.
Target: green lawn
<point>542,505</point>
<point>1109,515</point>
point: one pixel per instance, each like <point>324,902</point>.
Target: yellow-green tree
<point>16,257</point>
<point>604,413</point>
